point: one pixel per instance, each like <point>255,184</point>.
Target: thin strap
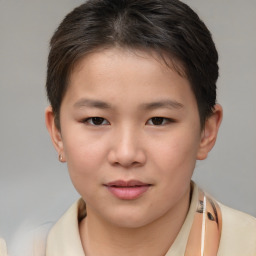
<point>204,237</point>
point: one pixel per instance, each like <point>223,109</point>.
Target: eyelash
<point>163,119</point>
<point>103,121</point>
<point>91,120</point>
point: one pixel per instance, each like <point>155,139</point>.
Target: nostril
<point>127,156</point>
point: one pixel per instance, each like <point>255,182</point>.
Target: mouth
<point>127,190</point>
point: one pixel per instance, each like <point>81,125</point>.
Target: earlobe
<point>210,132</point>
<point>54,132</point>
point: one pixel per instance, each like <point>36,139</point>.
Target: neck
<point>154,239</point>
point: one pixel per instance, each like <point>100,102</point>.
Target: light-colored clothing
<point>3,250</point>
<point>28,240</point>
<point>238,236</point>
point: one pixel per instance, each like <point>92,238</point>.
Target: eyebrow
<point>171,104</point>
<point>92,104</point>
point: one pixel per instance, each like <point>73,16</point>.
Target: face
<point>130,133</point>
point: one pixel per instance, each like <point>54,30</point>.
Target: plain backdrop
<point>35,188</point>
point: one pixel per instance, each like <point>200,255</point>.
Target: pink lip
<point>127,190</point>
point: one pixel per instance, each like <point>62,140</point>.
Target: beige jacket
<point>238,233</point>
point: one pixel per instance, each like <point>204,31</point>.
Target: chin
<point>131,224</point>
<point>132,220</point>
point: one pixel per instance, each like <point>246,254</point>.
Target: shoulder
<point>238,233</point>
<point>3,249</point>
<point>64,237</point>
<point>69,220</point>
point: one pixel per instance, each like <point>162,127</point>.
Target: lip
<point>127,190</point>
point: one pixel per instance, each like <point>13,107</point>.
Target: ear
<point>55,133</point>
<point>210,132</point>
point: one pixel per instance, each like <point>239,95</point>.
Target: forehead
<point>118,72</point>
<point>160,58</point>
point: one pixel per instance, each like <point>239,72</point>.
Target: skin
<point>128,145</point>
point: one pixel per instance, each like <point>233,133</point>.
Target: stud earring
<point>61,158</point>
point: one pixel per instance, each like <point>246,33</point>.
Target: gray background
<point>35,187</point>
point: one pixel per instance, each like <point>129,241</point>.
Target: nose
<point>127,150</point>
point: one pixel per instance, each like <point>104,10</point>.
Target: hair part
<point>169,28</point>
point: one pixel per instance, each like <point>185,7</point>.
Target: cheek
<point>84,158</point>
<point>84,149</point>
<point>83,165</point>
<point>175,161</point>
<point>175,158</point>
<point>175,150</point>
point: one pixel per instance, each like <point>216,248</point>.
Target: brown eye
<point>159,121</point>
<point>96,121</point>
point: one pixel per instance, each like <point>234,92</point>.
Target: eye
<point>97,121</point>
<point>159,121</point>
